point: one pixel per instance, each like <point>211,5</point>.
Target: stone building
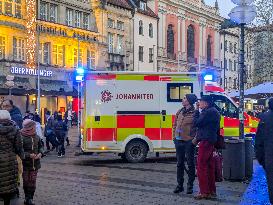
<point>64,34</point>
<point>114,21</point>
<point>188,35</point>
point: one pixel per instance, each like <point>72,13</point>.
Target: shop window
<point>110,42</point>
<point>44,53</point>
<point>151,55</point>
<point>177,91</point>
<point>140,53</point>
<point>58,55</point>
<point>69,17</point>
<point>225,106</point>
<point>78,58</point>
<point>19,46</point>
<point>2,47</point>
<point>140,27</point>
<point>86,21</point>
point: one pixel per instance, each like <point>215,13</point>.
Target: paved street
<point>105,179</point>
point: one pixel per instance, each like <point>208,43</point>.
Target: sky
<point>225,6</point>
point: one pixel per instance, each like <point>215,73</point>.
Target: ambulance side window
<point>177,91</point>
<point>225,106</point>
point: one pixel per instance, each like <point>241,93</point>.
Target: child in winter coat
<point>31,164</point>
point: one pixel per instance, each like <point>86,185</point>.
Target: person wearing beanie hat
<point>10,147</point>
<point>183,133</point>
<point>264,144</point>
<point>208,124</point>
<point>31,164</point>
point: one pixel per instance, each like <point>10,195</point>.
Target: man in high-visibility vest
<point>264,146</point>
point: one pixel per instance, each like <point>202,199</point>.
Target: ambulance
<point>132,113</point>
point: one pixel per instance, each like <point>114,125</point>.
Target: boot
<point>29,202</point>
<point>178,189</point>
<point>190,189</point>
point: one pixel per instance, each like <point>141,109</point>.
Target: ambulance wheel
<point>136,151</point>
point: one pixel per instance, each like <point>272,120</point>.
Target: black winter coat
<point>264,147</point>
<point>10,145</point>
<point>16,116</point>
<point>32,145</point>
<point>208,124</point>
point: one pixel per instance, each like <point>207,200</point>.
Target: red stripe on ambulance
<point>130,121</point>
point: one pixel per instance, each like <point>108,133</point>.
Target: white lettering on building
<point>34,72</point>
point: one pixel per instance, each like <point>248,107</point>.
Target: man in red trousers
<point>207,122</point>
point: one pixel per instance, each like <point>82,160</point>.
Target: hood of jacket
<point>7,127</point>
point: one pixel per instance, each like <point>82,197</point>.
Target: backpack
<point>60,129</point>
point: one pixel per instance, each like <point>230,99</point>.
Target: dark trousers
<point>7,198</point>
<point>29,183</point>
<point>206,168</point>
<point>185,152</point>
<point>269,170</point>
<point>61,148</point>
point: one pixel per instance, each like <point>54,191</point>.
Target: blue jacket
<point>208,124</point>
<point>16,116</point>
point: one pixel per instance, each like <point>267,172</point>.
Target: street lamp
<point>237,157</point>
<point>242,14</point>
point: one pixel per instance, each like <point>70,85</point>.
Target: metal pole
<point>38,75</point>
<point>224,61</point>
<point>242,67</point>
<point>78,108</point>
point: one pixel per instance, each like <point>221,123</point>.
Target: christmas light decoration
<point>31,34</point>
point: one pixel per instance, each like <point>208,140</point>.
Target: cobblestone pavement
<point>106,179</point>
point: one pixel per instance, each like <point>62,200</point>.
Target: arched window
<point>190,43</point>
<point>151,32</point>
<point>140,28</point>
<point>170,40</point>
<point>209,49</point>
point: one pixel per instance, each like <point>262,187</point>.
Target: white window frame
<point>2,47</point>
<point>86,24</point>
<point>78,57</point>
<point>142,5</point>
<point>69,16</point>
<point>119,44</point>
<point>19,49</point>
<point>110,42</point>
<point>78,19</point>
<point>44,12</point>
<point>110,23</point>
<point>120,25</point>
<point>58,52</point>
<point>53,16</point>
<point>44,53</point>
<point>151,55</point>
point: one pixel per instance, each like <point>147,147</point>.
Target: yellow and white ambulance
<point>133,113</point>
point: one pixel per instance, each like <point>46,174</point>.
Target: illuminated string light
<point>31,34</point>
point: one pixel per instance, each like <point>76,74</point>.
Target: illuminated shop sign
<point>30,72</point>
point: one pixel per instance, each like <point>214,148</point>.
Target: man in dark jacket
<point>183,134</point>
<point>264,146</point>
<point>14,111</point>
<point>60,129</point>
<point>207,123</point>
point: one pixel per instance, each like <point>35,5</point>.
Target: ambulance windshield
<point>225,106</point>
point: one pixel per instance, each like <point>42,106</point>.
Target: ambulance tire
<point>136,151</point>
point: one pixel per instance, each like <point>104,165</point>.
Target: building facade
<point>145,37</point>
<point>65,36</point>
<point>114,21</point>
<point>190,38</point>
<point>229,55</point>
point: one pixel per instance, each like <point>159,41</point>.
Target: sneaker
<point>59,155</point>
<point>178,189</point>
<point>62,155</point>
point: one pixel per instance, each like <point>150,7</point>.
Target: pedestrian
<point>208,124</point>
<point>69,118</point>
<point>10,146</point>
<point>60,129</point>
<point>31,164</point>
<point>26,115</point>
<point>264,144</point>
<point>39,131</point>
<point>14,111</point>
<point>49,133</point>
<point>183,134</point>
